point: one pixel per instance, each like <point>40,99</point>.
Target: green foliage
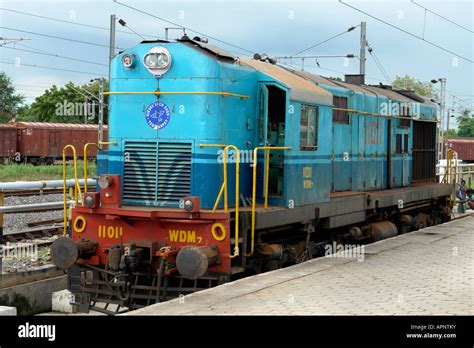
<point>452,133</point>
<point>9,101</point>
<point>409,83</point>
<point>66,104</point>
<point>334,78</point>
<point>466,124</point>
<point>19,172</point>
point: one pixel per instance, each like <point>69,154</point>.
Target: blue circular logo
<point>157,115</point>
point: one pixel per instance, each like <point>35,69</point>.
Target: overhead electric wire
<point>54,55</point>
<point>380,66</point>
<point>408,33</point>
<point>386,78</point>
<point>324,41</point>
<point>70,22</point>
<point>446,19</point>
<point>59,38</point>
<point>185,28</point>
<point>292,65</point>
<point>50,68</point>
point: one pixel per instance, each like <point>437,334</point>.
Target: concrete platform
<point>428,272</point>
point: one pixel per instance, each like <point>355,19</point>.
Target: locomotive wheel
<point>272,265</point>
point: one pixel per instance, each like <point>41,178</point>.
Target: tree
<point>466,123</point>
<point>452,133</point>
<point>409,83</point>
<point>68,104</point>
<point>9,101</point>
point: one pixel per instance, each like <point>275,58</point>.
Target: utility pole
<point>442,112</point>
<point>447,124</point>
<point>86,109</point>
<point>101,111</point>
<point>112,41</point>
<point>363,45</point>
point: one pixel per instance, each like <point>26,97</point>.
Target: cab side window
<point>309,128</point>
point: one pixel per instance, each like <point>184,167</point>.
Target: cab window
<point>309,128</point>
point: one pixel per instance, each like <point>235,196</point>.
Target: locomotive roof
<point>42,125</point>
<point>406,96</point>
<point>301,89</point>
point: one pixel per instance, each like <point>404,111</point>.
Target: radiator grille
<point>156,173</point>
<point>140,166</point>
<point>174,173</point>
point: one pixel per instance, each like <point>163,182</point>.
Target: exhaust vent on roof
<point>355,79</point>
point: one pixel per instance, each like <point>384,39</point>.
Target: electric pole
<point>101,111</point>
<point>112,41</point>
<point>363,45</point>
<point>442,112</point>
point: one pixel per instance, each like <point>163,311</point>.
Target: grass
<point>29,172</point>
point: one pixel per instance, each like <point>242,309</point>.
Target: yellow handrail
<point>224,190</point>
<point>85,158</point>
<point>451,173</point>
<point>76,183</point>
<point>85,164</point>
<point>254,186</point>
<point>157,93</point>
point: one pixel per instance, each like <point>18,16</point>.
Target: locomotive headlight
<point>157,60</point>
<point>188,205</point>
<point>89,201</point>
<point>128,60</point>
<point>104,181</point>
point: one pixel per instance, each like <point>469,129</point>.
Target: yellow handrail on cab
<point>86,146</point>
<point>254,186</point>
<point>157,93</point>
<point>76,183</point>
<point>223,190</point>
<point>85,163</point>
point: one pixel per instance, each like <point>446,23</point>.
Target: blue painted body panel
<point>348,157</point>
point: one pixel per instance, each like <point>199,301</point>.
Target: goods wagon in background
<point>43,143</point>
<point>7,143</point>
<point>464,147</point>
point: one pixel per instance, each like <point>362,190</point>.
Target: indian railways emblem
<point>157,115</point>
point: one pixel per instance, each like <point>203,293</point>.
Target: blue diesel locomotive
<point>222,166</point>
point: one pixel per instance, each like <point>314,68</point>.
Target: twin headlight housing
<point>157,60</point>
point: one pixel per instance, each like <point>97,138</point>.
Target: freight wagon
<point>464,147</point>
<point>43,143</point>
<point>7,143</point>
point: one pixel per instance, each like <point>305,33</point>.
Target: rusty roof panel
<point>300,88</point>
<point>47,125</point>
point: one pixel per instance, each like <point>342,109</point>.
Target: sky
<point>278,28</point>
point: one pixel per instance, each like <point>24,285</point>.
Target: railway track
<point>36,232</point>
<point>20,193</point>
